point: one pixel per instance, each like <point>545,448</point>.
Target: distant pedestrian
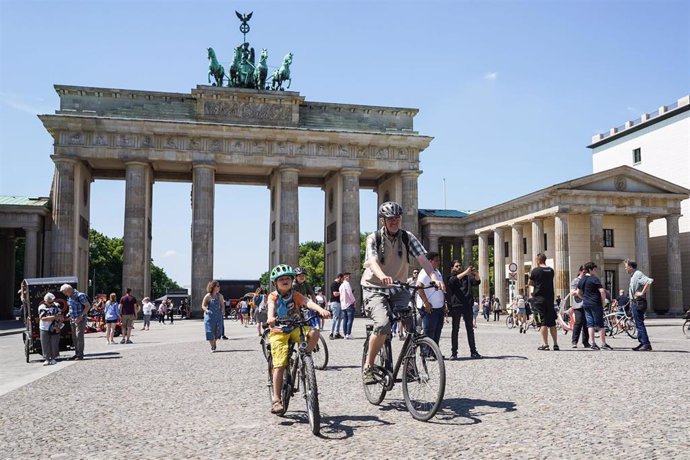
<point>112,316</point>
<point>50,326</point>
<point>162,312</point>
<point>496,305</point>
<point>459,285</point>
<point>147,309</point>
<point>261,314</point>
<point>637,292</point>
<point>578,320</point>
<point>431,301</point>
<point>79,307</point>
<point>129,308</point>
<point>347,305</point>
<point>213,313</point>
<point>321,302</point>
<point>593,299</point>
<point>542,279</point>
<point>171,311</point>
<point>336,313</point>
<point>475,313</point>
<point>243,311</point>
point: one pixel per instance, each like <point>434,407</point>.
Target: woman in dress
<point>50,324</point>
<point>213,313</point>
<point>112,316</point>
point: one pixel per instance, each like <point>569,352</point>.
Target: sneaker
<point>122,341</point>
<point>645,348</point>
<point>46,362</point>
<point>79,358</point>
<point>330,336</point>
<point>73,358</point>
<point>595,347</point>
<point>368,376</point>
<point>338,336</point>
<point>574,345</point>
<point>129,341</point>
<point>453,357</point>
<point>556,348</point>
<point>224,338</point>
<point>586,345</point>
<point>348,336</point>
<point>606,346</point>
<point>475,355</point>
<point>52,361</point>
<point>637,348</point>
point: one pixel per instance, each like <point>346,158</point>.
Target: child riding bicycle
<point>285,304</point>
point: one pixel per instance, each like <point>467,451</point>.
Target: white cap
<point>64,287</point>
<point>49,297</point>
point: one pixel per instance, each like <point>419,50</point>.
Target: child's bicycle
<point>299,373</point>
<point>319,354</point>
<point>423,370</point>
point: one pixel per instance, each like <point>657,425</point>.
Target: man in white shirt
<point>431,301</point>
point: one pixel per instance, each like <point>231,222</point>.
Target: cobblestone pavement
<point>167,396</point>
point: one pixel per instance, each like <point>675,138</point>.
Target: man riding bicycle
<point>387,262</point>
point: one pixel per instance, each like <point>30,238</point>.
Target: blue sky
<point>512,91</point>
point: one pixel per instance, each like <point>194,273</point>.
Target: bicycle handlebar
<point>414,286</point>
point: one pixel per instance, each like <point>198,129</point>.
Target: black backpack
<point>405,239</point>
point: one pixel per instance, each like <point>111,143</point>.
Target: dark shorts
<point>594,316</point>
<point>111,321</point>
<point>546,312</point>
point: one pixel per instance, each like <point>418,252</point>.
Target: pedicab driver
<point>387,261</point>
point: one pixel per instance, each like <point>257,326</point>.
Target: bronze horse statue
<point>282,74</point>
<point>261,70</point>
<point>215,69</point>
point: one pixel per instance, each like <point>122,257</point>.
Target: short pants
<point>376,306</point>
<point>111,321</point>
<point>546,312</point>
<point>127,322</point>
<point>280,347</point>
<point>594,315</point>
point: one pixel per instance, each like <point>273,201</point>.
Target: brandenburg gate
<point>220,135</point>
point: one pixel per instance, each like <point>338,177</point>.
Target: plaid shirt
<point>77,301</point>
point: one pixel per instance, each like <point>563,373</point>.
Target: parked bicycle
<point>620,321</point>
<point>686,324</point>
<point>299,374</point>
<point>423,370</point>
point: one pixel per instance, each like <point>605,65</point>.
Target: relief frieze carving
<point>194,144</point>
<point>237,111</point>
<point>76,139</point>
<point>147,142</point>
<point>100,140</point>
<point>170,143</point>
<point>123,140</point>
<point>216,145</point>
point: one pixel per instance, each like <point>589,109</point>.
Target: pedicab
<point>32,292</point>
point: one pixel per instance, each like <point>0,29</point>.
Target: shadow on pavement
<point>468,410</point>
<point>337,427</point>
<point>507,357</point>
<point>231,351</point>
<point>339,368</point>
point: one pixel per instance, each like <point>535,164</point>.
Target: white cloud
<point>28,104</point>
<point>169,253</point>
<point>492,76</point>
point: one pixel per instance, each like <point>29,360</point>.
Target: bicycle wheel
<point>288,381</point>
<point>311,393</point>
<point>631,328</point>
<point>265,344</point>
<point>510,322</point>
<point>376,392</point>
<point>320,354</point>
<point>270,378</point>
<point>686,327</point>
<point>423,379</point>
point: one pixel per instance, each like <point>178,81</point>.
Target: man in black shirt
<point>336,313</point>
<point>541,279</point>
<point>460,300</point>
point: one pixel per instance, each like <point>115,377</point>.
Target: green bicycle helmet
<point>281,270</point>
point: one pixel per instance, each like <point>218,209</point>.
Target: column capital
<point>204,165</point>
<point>351,171</point>
<point>410,173</point>
<point>288,168</point>
<point>136,162</point>
<point>517,225</point>
<point>64,159</point>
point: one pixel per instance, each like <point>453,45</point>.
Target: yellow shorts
<point>279,345</point>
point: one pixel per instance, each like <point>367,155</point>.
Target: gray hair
<point>49,297</point>
<point>64,287</point>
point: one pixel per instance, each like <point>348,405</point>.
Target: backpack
<point>405,239</point>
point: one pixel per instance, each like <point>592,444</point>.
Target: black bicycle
<point>423,370</point>
<point>299,373</point>
<point>319,354</point>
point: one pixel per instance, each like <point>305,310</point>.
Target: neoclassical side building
<point>603,217</point>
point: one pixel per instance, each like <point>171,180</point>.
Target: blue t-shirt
<point>590,285</point>
<point>112,311</point>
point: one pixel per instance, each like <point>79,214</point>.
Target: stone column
<point>289,216</point>
<point>433,243</point>
<point>64,231</point>
<point>350,230</point>
<point>203,198</point>
<point>537,237</point>
<point>457,249</point>
<point>596,240</point>
<point>675,278</point>
<point>642,244</point>
<point>467,251</point>
<point>136,266</point>
<point>446,261</point>
<point>409,201</point>
<point>7,281</point>
<point>518,257</point>
<point>31,253</point>
<point>485,286</point>
<point>562,256</point>
<point>499,267</point>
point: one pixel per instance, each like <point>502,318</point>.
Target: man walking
<point>79,307</point>
<point>129,308</point>
<point>431,301</point>
<point>541,278</point>
<point>347,305</point>
<point>578,319</point>
<point>460,284</point>
<point>336,313</point>
<point>637,292</point>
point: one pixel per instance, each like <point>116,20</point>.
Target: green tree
<point>160,281</point>
<point>311,258</point>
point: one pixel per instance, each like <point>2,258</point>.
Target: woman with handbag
<point>50,325</point>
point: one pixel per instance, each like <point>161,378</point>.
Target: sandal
<point>277,407</point>
<point>543,348</point>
